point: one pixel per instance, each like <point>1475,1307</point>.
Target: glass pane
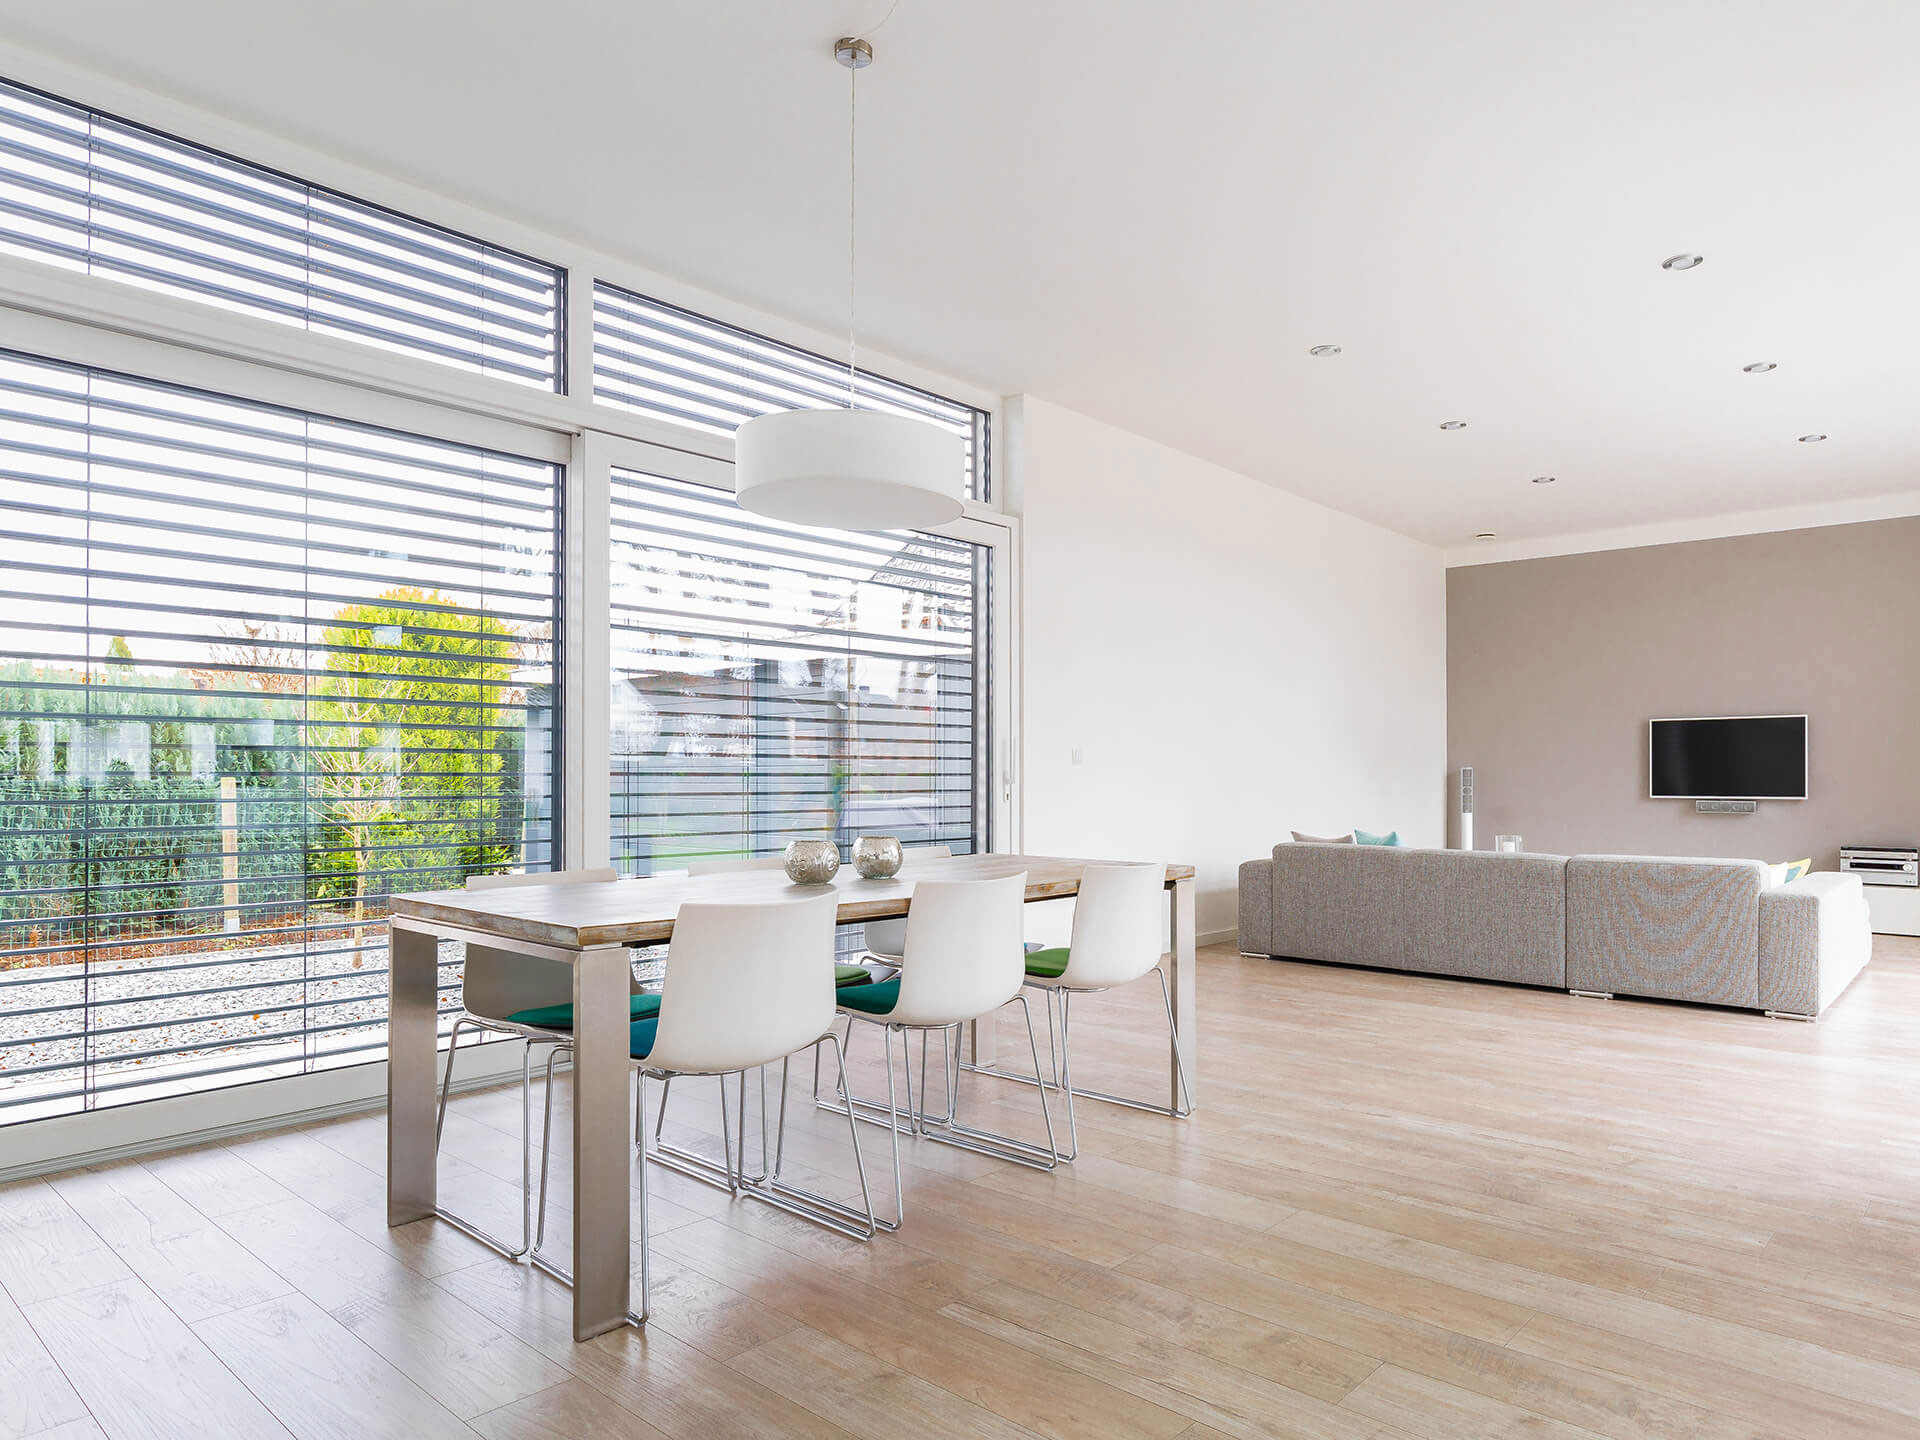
<point>674,365</point>
<point>258,671</point>
<point>772,682</point>
<point>86,192</point>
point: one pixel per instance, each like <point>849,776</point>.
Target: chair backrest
<point>746,984</point>
<point>716,867</point>
<point>497,983</point>
<point>1119,925</point>
<point>889,937</point>
<point>963,953</point>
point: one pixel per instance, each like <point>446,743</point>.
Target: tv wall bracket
<point>1726,807</point>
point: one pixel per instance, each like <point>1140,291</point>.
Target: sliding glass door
<point>259,669</point>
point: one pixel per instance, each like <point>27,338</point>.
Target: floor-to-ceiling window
<point>293,617</point>
<point>258,670</point>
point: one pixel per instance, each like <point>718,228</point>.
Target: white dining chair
<point>961,959</point>
<point>886,939</point>
<point>524,998</point>
<point>1119,921</point>
<point>747,984</point>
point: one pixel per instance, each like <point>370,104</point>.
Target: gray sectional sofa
<point>1714,932</point>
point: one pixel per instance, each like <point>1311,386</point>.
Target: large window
<point>772,682</point>
<point>673,365</point>
<point>258,670</point>
<point>87,192</point>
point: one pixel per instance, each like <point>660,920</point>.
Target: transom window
<point>86,192</point>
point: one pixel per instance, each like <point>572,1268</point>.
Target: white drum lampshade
<point>849,470</point>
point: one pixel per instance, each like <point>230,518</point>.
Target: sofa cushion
<point>1340,902</point>
<point>1493,917</point>
<point>1367,837</point>
<point>1668,928</point>
<point>1299,839</point>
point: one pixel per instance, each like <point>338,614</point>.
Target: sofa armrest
<point>1256,907</point>
<point>1815,936</point>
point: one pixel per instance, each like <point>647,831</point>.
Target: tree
<point>411,736</point>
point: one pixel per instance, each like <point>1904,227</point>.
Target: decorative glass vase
<point>1507,844</point>
<point>877,857</point>
<point>812,862</point>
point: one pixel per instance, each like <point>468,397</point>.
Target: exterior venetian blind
<point>671,364</point>
<point>86,192</point>
<point>775,682</point>
<point>258,670</point>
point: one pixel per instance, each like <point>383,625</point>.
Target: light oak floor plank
<point>142,1372</point>
<point>318,1380</point>
<point>34,1396</point>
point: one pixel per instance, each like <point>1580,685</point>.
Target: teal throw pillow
<point>1363,837</point>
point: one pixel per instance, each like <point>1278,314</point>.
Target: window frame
<point>95,321</point>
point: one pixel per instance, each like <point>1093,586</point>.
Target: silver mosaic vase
<point>812,862</point>
<point>877,857</point>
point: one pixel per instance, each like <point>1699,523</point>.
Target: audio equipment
<point>1466,807</point>
<point>1881,864</point>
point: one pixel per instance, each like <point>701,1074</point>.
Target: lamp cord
<point>853,233</point>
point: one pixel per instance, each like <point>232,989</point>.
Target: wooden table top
<point>641,912</point>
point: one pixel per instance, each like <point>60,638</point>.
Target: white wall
<point>1226,661</point>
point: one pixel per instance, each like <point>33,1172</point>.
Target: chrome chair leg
<point>999,1146</point>
<point>860,1224</point>
<point>536,1258</point>
<point>467,1227</point>
<point>1177,1112</point>
<point>446,1084</point>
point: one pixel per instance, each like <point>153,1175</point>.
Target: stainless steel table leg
<point>986,1039</point>
<point>602,1154</point>
<point>412,1042</point>
<point>1185,1017</point>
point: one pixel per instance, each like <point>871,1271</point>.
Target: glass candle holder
<point>1507,844</point>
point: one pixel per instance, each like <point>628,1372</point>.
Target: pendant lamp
<point>849,469</point>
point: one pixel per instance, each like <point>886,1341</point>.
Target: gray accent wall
<point>1554,667</point>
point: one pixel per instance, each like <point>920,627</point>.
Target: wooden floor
<point>1407,1208</point>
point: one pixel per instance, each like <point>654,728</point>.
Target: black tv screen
<point>1741,757</point>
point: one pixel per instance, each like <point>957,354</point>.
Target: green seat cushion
<point>878,998</point>
<point>560,1017</point>
<point>1048,964</point>
<point>640,1037</point>
<point>851,975</point>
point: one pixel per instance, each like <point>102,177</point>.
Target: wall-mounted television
<point>1728,757</point>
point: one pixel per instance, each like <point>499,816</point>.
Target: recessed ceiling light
<point>1682,262</point>
<point>1759,367</point>
<point>1486,535</point>
<point>1545,479</point>
<point>1810,439</point>
<point>1324,350</point>
<point>1453,424</point>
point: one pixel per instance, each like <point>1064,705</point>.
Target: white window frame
<point>586,819</point>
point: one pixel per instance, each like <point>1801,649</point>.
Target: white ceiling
<point>1148,212</point>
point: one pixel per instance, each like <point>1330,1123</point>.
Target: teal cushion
<point>1365,837</point>
<point>560,1017</point>
<point>851,975</point>
<point>640,1037</point>
<point>1047,964</point>
<point>875,999</point>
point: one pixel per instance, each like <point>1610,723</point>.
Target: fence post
<point>230,851</point>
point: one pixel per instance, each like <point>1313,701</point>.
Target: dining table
<point>591,927</point>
